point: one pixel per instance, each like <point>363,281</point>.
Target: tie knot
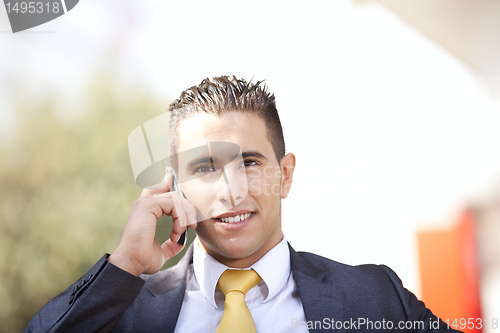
<point>238,280</point>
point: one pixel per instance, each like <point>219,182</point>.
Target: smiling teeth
<point>236,218</point>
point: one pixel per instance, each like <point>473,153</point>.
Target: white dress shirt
<point>274,302</point>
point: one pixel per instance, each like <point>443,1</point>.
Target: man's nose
<point>233,187</point>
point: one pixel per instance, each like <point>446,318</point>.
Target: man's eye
<point>204,169</point>
<point>249,163</point>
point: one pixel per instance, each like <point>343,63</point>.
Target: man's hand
<point>138,251</point>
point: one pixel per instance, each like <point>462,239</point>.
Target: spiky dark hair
<point>222,94</point>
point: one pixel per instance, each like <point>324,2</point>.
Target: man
<point>240,201</point>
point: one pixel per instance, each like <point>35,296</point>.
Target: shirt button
<point>88,277</point>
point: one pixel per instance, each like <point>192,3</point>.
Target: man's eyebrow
<point>204,160</point>
<point>252,153</point>
<point>208,159</point>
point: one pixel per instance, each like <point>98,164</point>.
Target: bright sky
<point>391,133</point>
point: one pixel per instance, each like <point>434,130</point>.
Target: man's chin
<point>228,250</point>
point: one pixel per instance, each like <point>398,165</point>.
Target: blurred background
<point>392,108</point>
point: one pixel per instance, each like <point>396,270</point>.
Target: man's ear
<point>287,168</point>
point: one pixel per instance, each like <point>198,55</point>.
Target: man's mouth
<point>234,218</point>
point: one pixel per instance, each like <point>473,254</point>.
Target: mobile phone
<point>176,188</point>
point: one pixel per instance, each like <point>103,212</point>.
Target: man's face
<point>249,188</point>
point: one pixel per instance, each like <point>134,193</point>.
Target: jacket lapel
<point>321,299</point>
<point>159,308</point>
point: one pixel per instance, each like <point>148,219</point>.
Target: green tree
<point>66,190</point>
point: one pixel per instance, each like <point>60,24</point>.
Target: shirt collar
<point>274,269</point>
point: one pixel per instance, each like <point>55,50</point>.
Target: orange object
<point>449,274</point>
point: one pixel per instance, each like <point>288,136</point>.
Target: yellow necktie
<point>235,284</point>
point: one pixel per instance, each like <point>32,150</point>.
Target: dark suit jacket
<point>108,299</point>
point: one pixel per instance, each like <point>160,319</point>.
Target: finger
<point>193,225</point>
<point>170,249</point>
<point>168,179</point>
<point>183,213</point>
<point>178,216</point>
<point>189,210</point>
<point>175,237</point>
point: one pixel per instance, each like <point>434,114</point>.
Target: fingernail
<point>182,240</point>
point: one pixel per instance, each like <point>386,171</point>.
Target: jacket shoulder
<point>360,283</point>
<point>338,270</point>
